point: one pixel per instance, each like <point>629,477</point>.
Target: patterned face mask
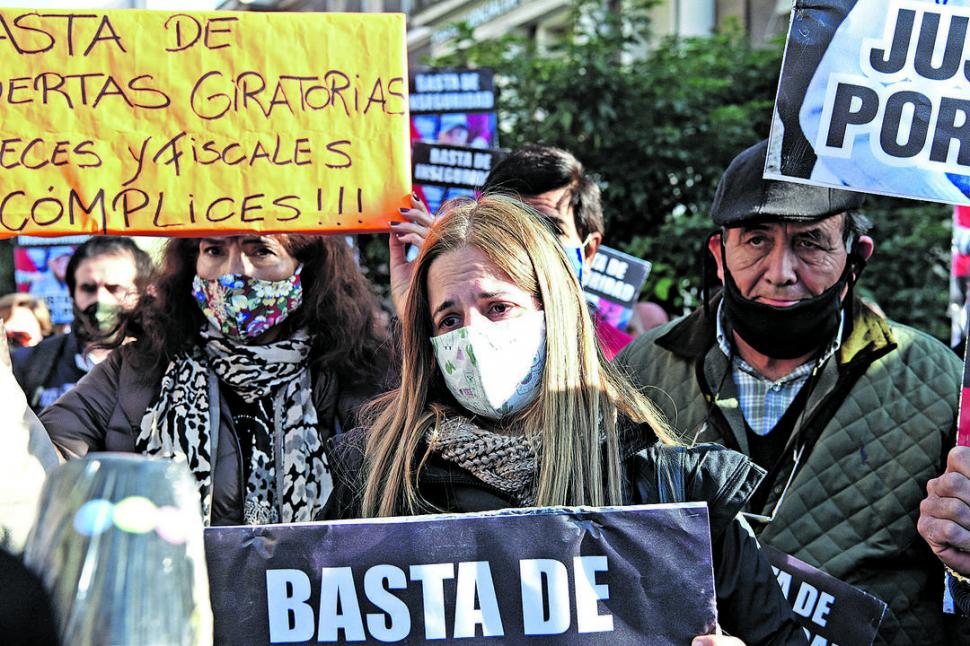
<point>97,322</point>
<point>243,307</point>
<point>494,369</point>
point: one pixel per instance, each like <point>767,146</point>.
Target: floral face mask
<point>243,307</point>
<point>494,369</point>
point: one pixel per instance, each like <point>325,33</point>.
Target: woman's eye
<point>501,308</point>
<point>211,251</point>
<point>447,322</point>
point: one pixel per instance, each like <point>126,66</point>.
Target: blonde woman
<point>507,402</point>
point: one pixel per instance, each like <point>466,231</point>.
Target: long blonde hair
<point>575,415</point>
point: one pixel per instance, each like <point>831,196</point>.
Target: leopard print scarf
<point>178,423</point>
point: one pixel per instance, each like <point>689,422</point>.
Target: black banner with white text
<point>552,576</point>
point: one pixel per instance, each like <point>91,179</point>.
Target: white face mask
<point>494,369</point>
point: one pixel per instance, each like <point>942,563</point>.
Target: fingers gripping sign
<point>944,520</point>
<point>414,229</point>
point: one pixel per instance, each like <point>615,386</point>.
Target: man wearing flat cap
<point>850,414</point>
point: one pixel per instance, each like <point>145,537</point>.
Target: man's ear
<point>593,245</point>
<point>714,247</point>
<point>864,247</point>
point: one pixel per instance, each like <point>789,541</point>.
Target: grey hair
<point>855,225</point>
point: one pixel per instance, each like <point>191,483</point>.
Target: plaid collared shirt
<point>763,401</point>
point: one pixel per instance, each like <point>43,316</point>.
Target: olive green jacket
<point>884,411</point>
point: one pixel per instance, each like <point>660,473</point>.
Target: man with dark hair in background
<point>105,277</point>
<point>553,182</point>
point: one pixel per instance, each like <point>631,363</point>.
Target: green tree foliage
<point>908,274</point>
<point>657,121</point>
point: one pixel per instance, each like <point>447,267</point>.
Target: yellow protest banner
<point>161,123</point>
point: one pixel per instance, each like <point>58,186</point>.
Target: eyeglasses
<point>760,518</point>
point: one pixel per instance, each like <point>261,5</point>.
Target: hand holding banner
<point>945,504</point>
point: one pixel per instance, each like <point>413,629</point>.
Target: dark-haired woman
<point>250,353</point>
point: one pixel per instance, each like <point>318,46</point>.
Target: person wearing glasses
<point>850,413</point>
<point>105,277</point>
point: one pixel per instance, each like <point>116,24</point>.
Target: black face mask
<point>787,332</point>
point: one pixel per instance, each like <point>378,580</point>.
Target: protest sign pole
<point>963,419</point>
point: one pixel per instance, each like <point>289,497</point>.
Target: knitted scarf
<point>178,424</point>
<point>509,463</point>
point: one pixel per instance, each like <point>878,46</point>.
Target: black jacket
<point>750,603</point>
<point>26,615</point>
<point>103,412</point>
<point>49,369</point>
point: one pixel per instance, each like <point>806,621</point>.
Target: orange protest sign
<point>160,123</point>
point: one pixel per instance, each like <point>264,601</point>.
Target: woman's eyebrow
<point>256,240</point>
<point>444,305</point>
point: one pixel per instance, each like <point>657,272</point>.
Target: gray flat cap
<point>743,196</point>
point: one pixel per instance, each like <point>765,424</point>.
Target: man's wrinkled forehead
<point>831,226</point>
<point>557,198</point>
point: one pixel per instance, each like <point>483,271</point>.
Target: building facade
<point>432,24</point>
